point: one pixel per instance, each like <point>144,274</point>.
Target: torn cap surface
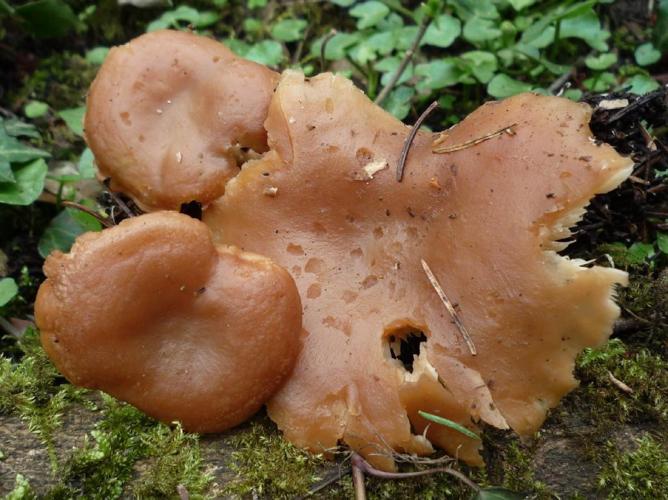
<point>485,218</point>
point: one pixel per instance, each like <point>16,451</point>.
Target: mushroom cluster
<point>443,292</point>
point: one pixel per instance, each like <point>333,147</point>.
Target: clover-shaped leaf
<point>369,13</point>
<point>646,54</point>
<point>288,30</point>
<point>443,31</point>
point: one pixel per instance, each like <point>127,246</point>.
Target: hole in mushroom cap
<point>192,209</point>
<point>403,343</point>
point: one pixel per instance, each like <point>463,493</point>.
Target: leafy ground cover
<point>603,440</point>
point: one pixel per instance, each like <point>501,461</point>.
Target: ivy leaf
<point>478,30</point>
<point>336,47</point>
<point>8,290</point>
<point>660,34</point>
<point>495,493</point>
<point>641,84</point>
<point>14,151</point>
<point>86,165</point>
<point>35,109</point>
<point>647,55</point>
<point>587,27</point>
<point>482,64</point>
<point>504,86</point>
<point>449,423</point>
<point>267,52</point>
<point>601,61</point>
<point>600,83</point>
<point>47,18</point>
<point>63,230</point>
<point>28,185</point>
<point>288,30</point>
<point>443,31</point>
<point>17,128</point>
<point>438,74</point>
<point>398,102</point>
<point>97,55</point>
<point>73,118</point>
<point>662,242</point>
<point>369,13</point>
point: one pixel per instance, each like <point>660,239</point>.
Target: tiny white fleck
<point>169,101</point>
<point>270,191</point>
<point>159,111</point>
<point>292,119</point>
<point>179,156</point>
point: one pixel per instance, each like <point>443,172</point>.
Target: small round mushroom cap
<point>152,313</point>
<point>170,113</point>
<point>484,207</point>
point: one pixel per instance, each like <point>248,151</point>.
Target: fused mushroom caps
<point>169,115</point>
<point>485,218</point>
<point>152,313</point>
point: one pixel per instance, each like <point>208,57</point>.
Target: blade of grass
<point>448,423</point>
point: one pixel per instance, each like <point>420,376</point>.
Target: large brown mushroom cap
<point>169,113</point>
<point>152,313</point>
<point>325,204</point>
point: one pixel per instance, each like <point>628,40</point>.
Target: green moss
<point>642,473</point>
<point>22,490</point>
<point>267,465</point>
<point>31,390</point>
<point>105,464</point>
<point>176,461</point>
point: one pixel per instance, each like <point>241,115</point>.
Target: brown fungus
<point>170,116</point>
<point>153,313</point>
<point>511,183</point>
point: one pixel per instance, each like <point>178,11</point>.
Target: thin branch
<point>437,148</point>
<point>358,479</point>
<point>364,466</point>
<point>424,24</point>
<point>401,165</point>
<point>448,305</point>
<point>619,384</point>
<point>323,46</point>
<point>78,206</point>
<point>334,478</point>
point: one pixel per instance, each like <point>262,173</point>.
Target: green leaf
<point>600,82</point>
<point>587,27</point>
<point>478,30</point>
<point>268,52</point>
<point>518,5</point>
<point>601,61</point>
<point>97,55</point>
<point>641,84</point>
<point>398,102</point>
<point>639,252</point>
<point>28,186</point>
<point>448,423</point>
<point>256,4</point>
<point>86,165</point>
<point>73,117</point>
<point>504,86</point>
<point>482,64</point>
<point>289,30</point>
<point>6,174</point>
<point>17,128</point>
<point>63,230</point>
<point>495,493</point>
<point>467,9</point>
<point>35,109</point>
<point>660,34</point>
<point>662,242</point>
<point>438,74</point>
<point>181,17</point>
<point>47,18</point>
<point>336,47</point>
<point>388,67</point>
<point>14,151</point>
<point>443,31</point>
<point>8,290</point>
<point>647,55</point>
<point>369,13</point>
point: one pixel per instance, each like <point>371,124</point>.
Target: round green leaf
<point>601,61</point>
<point>600,83</point>
<point>268,52</point>
<point>73,117</point>
<point>443,31</point>
<point>504,86</point>
<point>398,102</point>
<point>482,64</point>
<point>642,84</point>
<point>438,74</point>
<point>369,13</point>
<point>35,109</point>
<point>97,55</point>
<point>478,30</point>
<point>8,290</point>
<point>289,30</point>
<point>28,185</point>
<point>646,54</point>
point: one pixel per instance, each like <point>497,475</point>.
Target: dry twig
<point>470,143</point>
<point>401,165</point>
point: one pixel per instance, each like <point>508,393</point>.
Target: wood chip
<point>371,169</point>
<point>270,191</point>
<point>613,104</point>
<point>619,384</point>
<point>448,305</point>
